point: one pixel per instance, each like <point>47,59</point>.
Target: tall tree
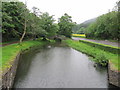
<point>106,27</point>
<point>65,25</point>
<point>12,20</point>
<point>25,21</point>
<point>47,24</point>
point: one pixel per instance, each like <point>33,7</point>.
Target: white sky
<point>80,10</point>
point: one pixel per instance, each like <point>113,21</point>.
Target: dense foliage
<point>65,25</point>
<point>12,20</point>
<point>19,23</point>
<point>106,27</point>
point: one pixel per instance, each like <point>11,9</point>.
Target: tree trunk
<point>23,35</point>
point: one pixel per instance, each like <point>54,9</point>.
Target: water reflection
<point>59,67</point>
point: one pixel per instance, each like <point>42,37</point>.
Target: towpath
<point>116,44</point>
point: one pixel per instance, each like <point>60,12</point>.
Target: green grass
<point>108,48</point>
<point>98,54</point>
<point>99,44</point>
<point>9,52</point>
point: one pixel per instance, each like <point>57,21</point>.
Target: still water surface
<point>59,67</point>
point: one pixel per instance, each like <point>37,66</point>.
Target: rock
<point>49,46</point>
<point>95,65</point>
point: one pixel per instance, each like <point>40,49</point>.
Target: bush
<point>105,27</point>
<point>108,48</point>
<point>101,60</point>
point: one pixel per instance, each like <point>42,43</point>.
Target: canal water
<point>59,67</point>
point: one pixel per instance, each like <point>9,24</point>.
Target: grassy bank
<point>9,52</point>
<point>107,48</point>
<point>100,56</point>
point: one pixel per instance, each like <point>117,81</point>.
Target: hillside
<point>83,25</point>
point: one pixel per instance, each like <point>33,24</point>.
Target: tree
<point>12,20</point>
<point>65,25</point>
<point>34,28</point>
<point>19,23</point>
<point>118,20</point>
<point>81,30</point>
<point>106,27</point>
<point>47,24</point>
<point>25,12</point>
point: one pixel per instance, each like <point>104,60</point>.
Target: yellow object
<point>83,35</point>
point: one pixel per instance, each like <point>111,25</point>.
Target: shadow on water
<point>59,67</point>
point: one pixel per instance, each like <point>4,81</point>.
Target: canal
<point>59,67</point>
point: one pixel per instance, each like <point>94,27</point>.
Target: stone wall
<point>9,75</point>
<point>113,76</point>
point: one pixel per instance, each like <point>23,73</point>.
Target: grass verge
<point>10,52</point>
<point>100,56</point>
<point>112,49</point>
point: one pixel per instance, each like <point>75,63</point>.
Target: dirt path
<point>9,43</point>
<point>2,45</point>
<point>116,44</point>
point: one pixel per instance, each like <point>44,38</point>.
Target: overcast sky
<point>80,10</point>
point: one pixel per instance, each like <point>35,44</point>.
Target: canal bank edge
<point>9,75</point>
<point>113,76</point>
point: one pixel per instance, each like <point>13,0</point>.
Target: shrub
<point>101,60</point>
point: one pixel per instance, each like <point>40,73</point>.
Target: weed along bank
<point>104,55</point>
<point>113,65</point>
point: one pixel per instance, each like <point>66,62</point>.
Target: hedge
<point>112,49</point>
